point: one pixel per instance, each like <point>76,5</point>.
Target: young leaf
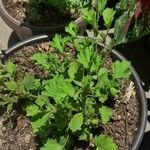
<point>52,145</point>
<point>84,56</point>
<point>89,15</point>
<point>105,113</point>
<point>108,16</point>
<point>30,83</point>
<point>41,100</point>
<point>72,29</point>
<point>10,68</point>
<point>58,88</point>
<point>101,6</point>
<point>97,62</point>
<point>11,86</point>
<point>59,43</point>
<point>32,110</point>
<point>76,122</point>
<point>73,68</point>
<point>41,59</point>
<point>121,69</point>
<point>39,123</point>
<point>104,142</point>
<point>103,96</point>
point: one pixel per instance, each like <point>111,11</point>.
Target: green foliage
<point>72,100</point>
<point>104,142</point>
<point>76,122</point>
<point>121,69</point>
<point>63,7</point>
<point>52,145</point>
<point>108,16</point>
<point>105,114</point>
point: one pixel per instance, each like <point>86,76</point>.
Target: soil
<point>16,132</point>
<point>49,16</point>
<point>124,122</point>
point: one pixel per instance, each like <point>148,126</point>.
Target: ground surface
<point>139,56</point>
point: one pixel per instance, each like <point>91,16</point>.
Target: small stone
<point>27,138</point>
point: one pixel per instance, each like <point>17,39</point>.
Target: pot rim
<point>28,25</point>
<point>142,99</point>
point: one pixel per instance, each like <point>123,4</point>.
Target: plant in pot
<point>31,17</point>
<point>77,93</point>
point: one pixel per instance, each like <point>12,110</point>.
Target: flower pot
<point>26,30</point>
<point>116,56</point>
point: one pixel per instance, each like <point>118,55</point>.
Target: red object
<point>142,5</point>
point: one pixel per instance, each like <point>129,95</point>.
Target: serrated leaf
<point>12,85</point>
<point>32,110</point>
<point>89,15</point>
<point>30,83</point>
<point>108,16</point>
<point>105,113</point>
<point>121,69</point>
<point>59,43</point>
<point>41,100</point>
<point>9,67</point>
<point>39,123</point>
<point>104,142</point>
<point>101,6</point>
<point>73,68</point>
<point>58,88</point>
<point>52,145</point>
<point>72,29</point>
<point>84,56</point>
<point>76,122</point>
<point>103,96</point>
<point>97,62</point>
<point>41,60</point>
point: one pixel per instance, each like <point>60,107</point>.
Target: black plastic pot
<point>26,30</point>
<point>116,55</point>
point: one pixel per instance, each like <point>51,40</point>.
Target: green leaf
<point>59,43</point>
<point>108,16</point>
<point>101,6</point>
<point>89,15</point>
<point>9,67</point>
<point>105,113</point>
<point>41,60</point>
<point>104,142</point>
<point>58,88</point>
<point>76,122</point>
<point>12,85</point>
<point>103,96</point>
<point>39,123</point>
<point>30,83</point>
<point>84,57</point>
<point>96,64</point>
<point>52,145</point>
<point>73,68</point>
<point>72,29</point>
<point>42,100</point>
<point>32,110</point>
<point>121,69</point>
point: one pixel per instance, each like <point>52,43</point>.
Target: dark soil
<point>124,122</point>
<point>16,132</point>
<point>49,16</point>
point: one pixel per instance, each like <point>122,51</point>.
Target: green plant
<point>71,103</point>
<point>63,7</point>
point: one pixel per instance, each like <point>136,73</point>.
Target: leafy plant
<point>63,7</point>
<point>72,102</point>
